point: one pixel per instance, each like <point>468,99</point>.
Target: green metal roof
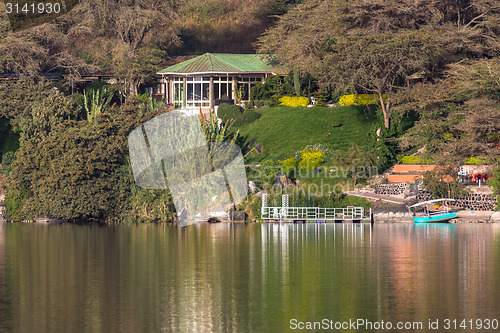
<point>226,63</point>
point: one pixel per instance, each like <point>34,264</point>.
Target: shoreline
<point>463,216</point>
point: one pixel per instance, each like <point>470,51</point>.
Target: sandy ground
<point>475,216</point>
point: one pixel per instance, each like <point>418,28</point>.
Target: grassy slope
<point>285,130</point>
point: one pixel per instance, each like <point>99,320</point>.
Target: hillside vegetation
<point>438,60</point>
<point>131,38</point>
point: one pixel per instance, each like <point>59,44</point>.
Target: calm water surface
<point>244,278</point>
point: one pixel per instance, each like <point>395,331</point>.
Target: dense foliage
<point>131,38</point>
<point>247,117</point>
<point>73,169</point>
<point>376,45</point>
<point>66,166</point>
<point>229,112</point>
<point>443,183</point>
<point>495,183</point>
<point>459,117</point>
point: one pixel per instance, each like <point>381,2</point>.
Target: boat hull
<point>436,218</point>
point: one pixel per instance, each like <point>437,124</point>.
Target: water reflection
<point>241,278</point>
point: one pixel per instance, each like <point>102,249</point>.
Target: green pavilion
<point>213,78</point>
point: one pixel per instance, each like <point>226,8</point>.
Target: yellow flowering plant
<point>294,101</point>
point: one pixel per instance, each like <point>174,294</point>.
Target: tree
<point>129,32</point>
<point>38,51</point>
<point>459,116</point>
<point>374,45</point>
<point>34,107</point>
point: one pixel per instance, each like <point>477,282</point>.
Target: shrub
<point>247,117</point>
<point>415,160</point>
<point>360,99</point>
<point>273,86</point>
<point>249,105</point>
<point>258,103</point>
<point>311,158</point>
<point>478,160</point>
<point>322,97</point>
<point>443,183</point>
<point>410,160</point>
<point>227,112</point>
<point>294,101</point>
<point>494,182</point>
<point>7,160</point>
<point>261,91</point>
<point>289,165</point>
<point>267,173</point>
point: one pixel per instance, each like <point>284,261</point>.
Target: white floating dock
<point>312,214</point>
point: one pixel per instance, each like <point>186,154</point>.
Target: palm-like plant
<point>95,102</point>
<point>215,132</point>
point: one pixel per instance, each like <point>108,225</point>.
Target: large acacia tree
<point>374,45</point>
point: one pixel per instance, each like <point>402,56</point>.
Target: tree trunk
<point>134,87</point>
<point>296,80</point>
<point>385,109</point>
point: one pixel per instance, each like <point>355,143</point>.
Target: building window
<point>198,91</point>
<point>178,92</point>
<point>246,84</point>
<point>223,87</point>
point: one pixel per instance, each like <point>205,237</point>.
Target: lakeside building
<point>213,78</point>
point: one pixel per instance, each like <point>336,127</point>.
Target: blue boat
<point>420,212</point>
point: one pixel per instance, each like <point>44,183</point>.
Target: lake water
<point>247,278</point>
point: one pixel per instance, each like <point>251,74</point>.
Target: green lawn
<point>285,130</point>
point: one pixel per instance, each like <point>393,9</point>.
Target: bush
<point>247,117</point>
<point>258,103</point>
<point>289,165</point>
<point>495,183</point>
<point>478,160</point>
<point>311,158</point>
<point>360,99</point>
<point>322,97</point>
<point>415,160</point>
<point>227,112</point>
<point>294,101</point>
<point>273,86</point>
<point>267,173</point>
<point>7,160</point>
<point>443,183</point>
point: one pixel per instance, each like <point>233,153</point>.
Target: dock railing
<point>312,213</point>
<point>309,213</point>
